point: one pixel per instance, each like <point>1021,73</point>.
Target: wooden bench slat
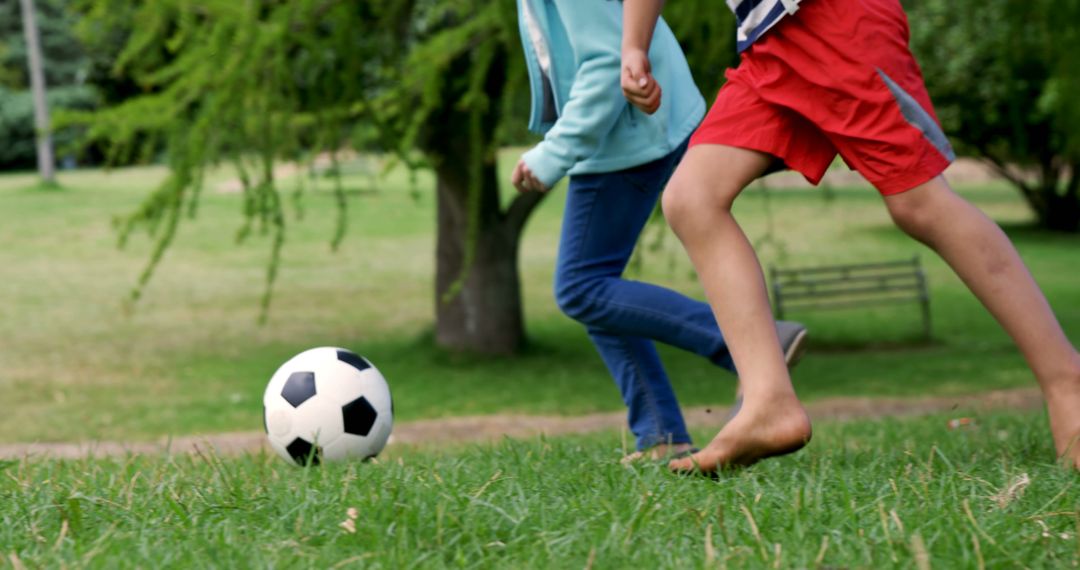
<point>825,277</point>
<point>911,263</point>
<point>849,291</point>
<point>856,304</point>
<point>908,280</point>
<point>851,286</point>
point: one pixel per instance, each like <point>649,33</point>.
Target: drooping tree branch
<point>1001,167</point>
<point>519,210</point>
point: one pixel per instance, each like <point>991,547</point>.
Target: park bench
<point>848,286</point>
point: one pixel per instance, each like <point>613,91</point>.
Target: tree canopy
<point>257,82</point>
<point>67,72</point>
<point>1003,76</point>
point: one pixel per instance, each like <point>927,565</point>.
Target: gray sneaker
<point>792,341</point>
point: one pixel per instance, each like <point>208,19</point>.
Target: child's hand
<point>524,180</point>
<point>638,85</point>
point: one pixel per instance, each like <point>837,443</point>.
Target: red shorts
<point>836,77</point>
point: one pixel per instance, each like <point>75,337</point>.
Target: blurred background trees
<point>251,84</point>
<point>1005,77</point>
<point>441,85</point>
<point>66,73</point>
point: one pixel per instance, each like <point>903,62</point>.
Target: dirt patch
<point>492,428</point>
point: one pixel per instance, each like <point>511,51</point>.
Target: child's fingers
<point>524,180</point>
<point>639,86</point>
<point>631,75</point>
<point>517,178</point>
<point>640,89</point>
<point>647,103</point>
<point>537,185</point>
<point>532,182</point>
<point>636,76</point>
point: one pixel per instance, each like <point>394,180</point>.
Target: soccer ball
<point>327,404</point>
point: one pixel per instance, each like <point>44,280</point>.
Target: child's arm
<point>638,84</point>
<point>594,103</point>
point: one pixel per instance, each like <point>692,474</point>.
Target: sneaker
<point>792,341</point>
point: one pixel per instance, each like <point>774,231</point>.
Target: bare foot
<point>755,433</point>
<point>657,452</point>
<point>1063,405</point>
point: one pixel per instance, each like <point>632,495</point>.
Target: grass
<point>76,363</point>
<point>871,494</point>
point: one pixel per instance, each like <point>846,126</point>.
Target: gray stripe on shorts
<point>919,118</point>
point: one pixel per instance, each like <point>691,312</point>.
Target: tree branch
<point>1001,168</point>
<point>1072,190</point>
<point>518,212</point>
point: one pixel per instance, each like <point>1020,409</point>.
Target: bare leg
<point>985,259</point>
<point>697,204</point>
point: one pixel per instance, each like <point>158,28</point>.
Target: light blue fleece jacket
<point>588,126</point>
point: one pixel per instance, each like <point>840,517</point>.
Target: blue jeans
<point>604,216</point>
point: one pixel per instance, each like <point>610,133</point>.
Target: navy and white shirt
<point>755,17</point>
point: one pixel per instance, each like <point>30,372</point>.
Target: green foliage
<point>66,67</point>
<point>1003,76</point>
<point>1062,25</point>
<point>258,82</point>
<point>17,137</point>
<point>244,83</point>
<point>9,75</point>
<point>706,31</point>
<point>65,62</point>
<point>451,98</point>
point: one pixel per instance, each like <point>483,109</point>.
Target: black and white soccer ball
<point>327,404</point>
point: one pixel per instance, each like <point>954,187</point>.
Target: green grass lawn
<point>191,358</point>
<point>888,494</point>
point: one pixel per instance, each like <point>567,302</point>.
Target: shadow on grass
<point>856,345</point>
<point>539,345</point>
<point>43,188</point>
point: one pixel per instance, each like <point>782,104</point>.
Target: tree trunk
<point>46,163</point>
<point>1062,212</point>
<point>1056,210</point>
<point>478,306</point>
<point>478,309</point>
